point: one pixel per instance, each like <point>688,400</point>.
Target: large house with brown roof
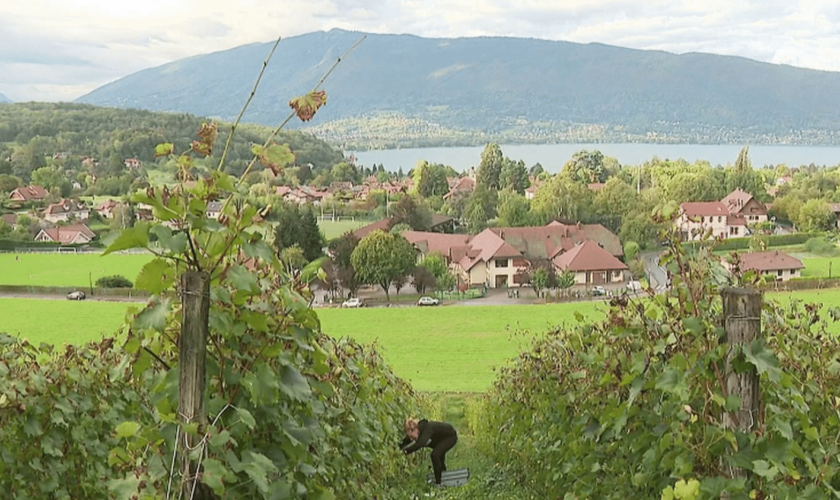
<point>774,263</point>
<point>67,235</point>
<point>29,193</point>
<point>727,218</point>
<point>440,224</point>
<point>500,257</point>
<point>65,210</point>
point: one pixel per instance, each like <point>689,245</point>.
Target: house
<point>66,235</point>
<point>132,163</point>
<point>65,210</point>
<point>106,209</point>
<point>29,193</point>
<point>214,208</point>
<point>9,219</point>
<point>531,191</point>
<point>728,218</point>
<point>501,257</point>
<point>596,186</point>
<point>591,264</point>
<point>779,265</point>
<point>463,187</point>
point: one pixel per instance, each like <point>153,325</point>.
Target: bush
<point>822,247</point>
<point>115,281</point>
<point>775,240</point>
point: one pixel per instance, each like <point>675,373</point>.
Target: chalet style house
<point>779,265</point>
<point>727,218</point>
<point>67,235</point>
<point>29,193</point>
<point>501,257</point>
<point>65,210</point>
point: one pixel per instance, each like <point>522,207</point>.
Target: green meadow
<point>54,269</point>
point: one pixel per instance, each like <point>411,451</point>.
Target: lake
<point>553,156</point>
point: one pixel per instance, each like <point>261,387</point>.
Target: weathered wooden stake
<point>742,322</point>
<point>195,298</point>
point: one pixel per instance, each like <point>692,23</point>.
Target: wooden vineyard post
<point>742,323</point>
<point>195,298</point>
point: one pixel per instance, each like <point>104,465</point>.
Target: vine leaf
<point>135,237</point>
<point>214,475</point>
<point>156,276</point>
<point>153,316</point>
<point>274,157</point>
<point>164,149</point>
<point>127,429</point>
<point>294,384</point>
<point>306,105</point>
<point>258,466</point>
<point>763,359</point>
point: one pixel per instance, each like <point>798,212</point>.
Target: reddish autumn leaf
<point>305,106</point>
<point>208,133</point>
<point>201,148</point>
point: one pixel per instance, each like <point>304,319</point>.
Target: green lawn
<point>448,348</point>
<point>54,269</point>
<point>61,321</point>
<point>819,267</point>
<point>334,229</point>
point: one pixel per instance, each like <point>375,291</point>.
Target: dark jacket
<point>431,434</point>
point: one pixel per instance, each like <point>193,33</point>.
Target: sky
<point>58,50</point>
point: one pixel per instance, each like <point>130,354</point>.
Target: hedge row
<point>773,240</point>
<point>802,284</point>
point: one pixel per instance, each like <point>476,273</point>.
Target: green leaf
<point>164,149</point>
<point>246,418</point>
<point>242,278</point>
<point>258,467</point>
<point>127,429</point>
<point>153,317</point>
<point>255,320</point>
<point>133,237</point>
<point>293,384</point>
<point>672,381</point>
<point>220,439</point>
<point>763,359</point>
<point>764,469</point>
<point>124,489</point>
<point>156,276</point>
<point>175,243</point>
<point>214,475</point>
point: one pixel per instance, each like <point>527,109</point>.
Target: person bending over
<point>439,436</point>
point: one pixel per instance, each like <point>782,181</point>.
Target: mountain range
<point>396,90</point>
<point>4,99</point>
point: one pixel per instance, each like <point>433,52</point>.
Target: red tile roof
<point>66,207</point>
<point>769,261</point>
<point>704,208</point>
<point>438,242</point>
<point>69,234</point>
<point>588,256</point>
<point>30,193</point>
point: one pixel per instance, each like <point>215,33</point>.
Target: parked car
<point>77,295</point>
<point>634,286</point>
<point>598,290</point>
<point>428,301</point>
<point>354,302</point>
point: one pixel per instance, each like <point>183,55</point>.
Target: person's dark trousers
<point>439,456</point>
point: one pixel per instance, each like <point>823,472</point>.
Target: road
<point>657,274</point>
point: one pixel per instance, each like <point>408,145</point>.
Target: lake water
<point>553,156</point>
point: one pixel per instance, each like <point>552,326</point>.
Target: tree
<point>422,278</point>
<point>562,198</point>
<point>399,228</point>
<point>815,215</point>
<point>9,183</point>
<point>297,227</point>
<point>446,282</point>
<point>586,167</point>
<point>536,169</point>
<point>381,258</point>
<point>435,263</point>
<point>312,241</point>
<point>123,218</point>
<point>293,258</point>
<point>743,176</point>
<point>631,249</point>
<point>408,211</point>
<point>490,168</point>
<point>514,209</point>
<point>539,280</point>
<point>565,280</point>
<point>514,176</point>
<point>48,177</point>
<point>615,198</point>
<point>344,172</point>
<point>430,180</point>
<point>481,207</point>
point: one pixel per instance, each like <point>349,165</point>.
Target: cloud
<point>58,50</point>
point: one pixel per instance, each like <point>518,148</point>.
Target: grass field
<point>819,267</point>
<point>334,229</point>
<point>452,349</point>
<point>53,269</point>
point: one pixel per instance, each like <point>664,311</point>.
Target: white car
<point>598,290</point>
<point>354,302</point>
<point>428,301</point>
<point>77,295</point>
<point>634,286</point>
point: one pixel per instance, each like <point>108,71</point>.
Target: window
<point>792,272</point>
<point>779,273</point>
<point>720,219</point>
<point>501,263</point>
<point>702,219</point>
